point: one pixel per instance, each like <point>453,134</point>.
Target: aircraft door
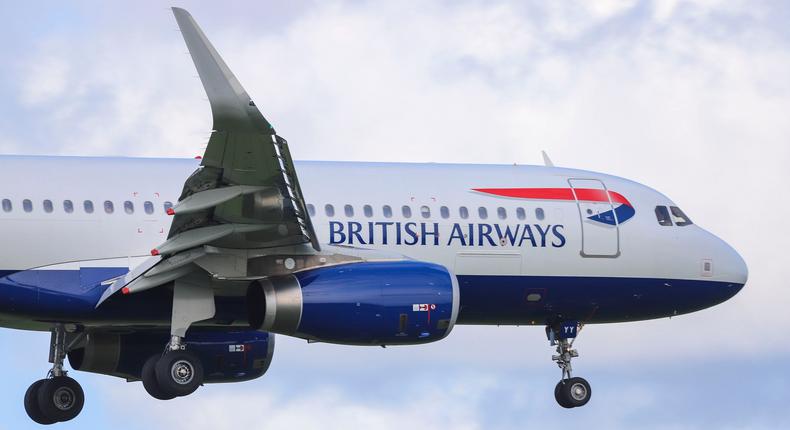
<point>600,229</point>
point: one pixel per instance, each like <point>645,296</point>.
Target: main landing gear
<point>56,398</point>
<point>175,373</point>
<point>570,392</point>
<point>178,372</point>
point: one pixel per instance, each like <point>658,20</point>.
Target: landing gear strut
<point>570,392</point>
<point>56,398</point>
<point>178,372</point>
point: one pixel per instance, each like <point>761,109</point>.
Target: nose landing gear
<point>57,398</point>
<point>570,392</point>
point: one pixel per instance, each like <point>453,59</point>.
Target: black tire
<point>150,382</point>
<point>575,392</point>
<point>559,395</point>
<point>60,398</point>
<point>31,404</point>
<point>179,373</point>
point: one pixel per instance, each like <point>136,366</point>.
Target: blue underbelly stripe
<point>484,299</point>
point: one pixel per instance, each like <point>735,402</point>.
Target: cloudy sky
<point>689,97</point>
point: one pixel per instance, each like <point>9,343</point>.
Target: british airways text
<point>429,234</point>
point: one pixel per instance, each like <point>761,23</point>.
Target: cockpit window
<point>662,214</point>
<point>679,217</point>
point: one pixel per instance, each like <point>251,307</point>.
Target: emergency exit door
<point>600,228</point>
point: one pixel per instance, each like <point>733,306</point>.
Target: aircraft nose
<point>732,267</point>
<point>727,268</point>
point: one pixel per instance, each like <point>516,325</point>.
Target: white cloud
<point>46,78</point>
<point>106,96</point>
<point>602,9</point>
<point>663,9</point>
<point>313,407</point>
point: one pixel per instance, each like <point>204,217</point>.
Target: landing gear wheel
<point>150,382</point>
<point>573,392</point>
<point>179,373</point>
<point>31,404</point>
<point>559,395</point>
<point>60,398</point>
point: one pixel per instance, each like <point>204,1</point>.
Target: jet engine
<point>364,303</point>
<point>226,356</point>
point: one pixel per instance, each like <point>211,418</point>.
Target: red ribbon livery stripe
<point>583,194</point>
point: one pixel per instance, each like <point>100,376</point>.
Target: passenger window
<point>168,206</point>
<point>68,206</point>
<point>109,207</point>
<point>501,213</point>
<point>87,205</point>
<point>48,207</point>
<point>368,210</point>
<point>7,206</point>
<point>406,211</point>
<point>311,210</point>
<point>482,212</point>
<point>445,212</point>
<point>330,210</point>
<point>148,207</point>
<point>679,217</point>
<point>425,211</point>
<point>463,212</point>
<point>539,214</point>
<point>128,207</point>
<point>521,214</point>
<point>387,211</point>
<point>349,210</point>
<point>27,205</point>
<point>662,215</point>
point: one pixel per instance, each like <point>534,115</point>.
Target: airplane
<point>179,272</point>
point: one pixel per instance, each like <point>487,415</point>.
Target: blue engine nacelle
<point>365,303</point>
<point>227,356</point>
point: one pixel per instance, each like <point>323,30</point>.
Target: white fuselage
<point>38,238</point>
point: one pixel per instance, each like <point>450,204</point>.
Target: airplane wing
<point>247,180</point>
<point>245,195</point>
